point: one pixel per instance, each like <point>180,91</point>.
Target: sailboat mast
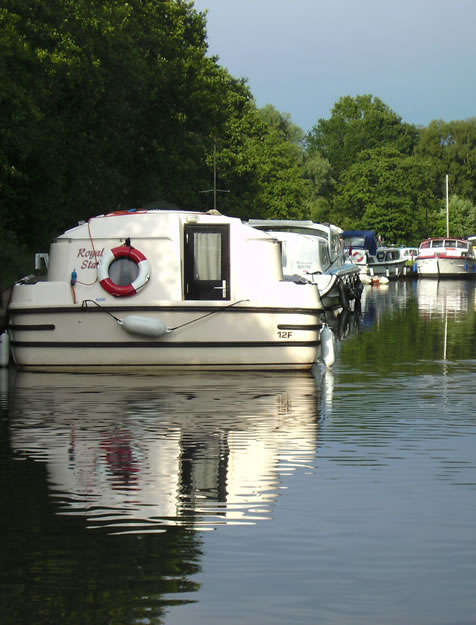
<point>214,175</point>
<point>447,209</point>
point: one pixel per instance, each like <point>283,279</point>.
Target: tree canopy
<point>357,124</point>
<point>450,148</point>
<point>114,104</point>
<point>387,192</point>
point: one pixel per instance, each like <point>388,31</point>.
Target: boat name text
<point>90,257</point>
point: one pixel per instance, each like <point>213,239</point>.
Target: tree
<point>259,160</point>
<point>461,217</point>
<point>357,124</point>
<point>388,192</point>
<point>316,171</point>
<point>450,148</point>
<point>102,105</point>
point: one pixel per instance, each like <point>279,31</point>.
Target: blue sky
<point>301,56</point>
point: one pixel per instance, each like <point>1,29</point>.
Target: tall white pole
<point>214,175</point>
<point>447,209</point>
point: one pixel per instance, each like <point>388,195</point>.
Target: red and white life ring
<point>123,251</point>
<point>358,256</point>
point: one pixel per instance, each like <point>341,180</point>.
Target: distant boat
<point>409,254</point>
<point>373,259</point>
<point>446,257</point>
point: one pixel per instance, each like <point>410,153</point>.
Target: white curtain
<point>207,251</point>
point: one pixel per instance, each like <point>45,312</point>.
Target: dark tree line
<point>115,104</point>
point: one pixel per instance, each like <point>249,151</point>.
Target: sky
<point>302,56</point>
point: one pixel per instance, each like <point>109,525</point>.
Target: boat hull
<point>390,269</point>
<point>445,267</point>
<point>205,338</point>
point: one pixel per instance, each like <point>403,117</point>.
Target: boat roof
<point>445,239</point>
<point>146,223</point>
<point>369,239</point>
<point>285,224</point>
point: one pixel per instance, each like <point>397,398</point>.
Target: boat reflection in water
<point>448,305</point>
<point>445,298</point>
<point>136,454</point>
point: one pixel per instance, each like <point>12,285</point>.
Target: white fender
<point>327,346</point>
<point>144,326</point>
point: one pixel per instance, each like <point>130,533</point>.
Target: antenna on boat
<point>215,190</point>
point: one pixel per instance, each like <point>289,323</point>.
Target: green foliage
<point>119,101</point>
<point>357,124</point>
<point>388,192</point>
<point>260,160</point>
<point>461,216</point>
<point>450,148</point>
<point>116,105</point>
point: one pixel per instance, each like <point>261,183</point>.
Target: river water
<point>346,497</point>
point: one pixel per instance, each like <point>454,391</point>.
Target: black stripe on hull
<point>32,328</point>
<point>161,345</point>
<point>160,309</point>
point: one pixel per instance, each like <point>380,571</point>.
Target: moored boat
<point>409,254</point>
<point>146,289</point>
<point>315,252</point>
<point>446,257</point>
<point>373,259</point>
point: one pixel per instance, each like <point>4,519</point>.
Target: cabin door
<point>207,262</point>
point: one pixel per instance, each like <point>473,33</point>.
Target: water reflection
<point>385,510</point>
<point>448,298</point>
<point>138,454</point>
<point>383,299</point>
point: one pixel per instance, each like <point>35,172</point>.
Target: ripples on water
<point>137,453</point>
<point>347,497</point>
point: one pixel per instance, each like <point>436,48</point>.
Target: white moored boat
<point>315,252</point>
<point>446,257</point>
<point>146,289</point>
<point>374,259</point>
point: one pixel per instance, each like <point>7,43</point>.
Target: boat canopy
<point>366,239</point>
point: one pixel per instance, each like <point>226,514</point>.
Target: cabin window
<point>355,242</point>
<point>284,256</point>
<point>123,271</point>
<point>324,255</point>
<point>207,256</point>
<point>335,244</point>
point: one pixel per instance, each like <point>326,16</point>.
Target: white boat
<point>446,257</point>
<point>146,289</point>
<point>372,258</point>
<point>409,254</point>
<point>315,252</point>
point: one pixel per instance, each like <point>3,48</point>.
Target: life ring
<point>358,256</point>
<point>123,251</point>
